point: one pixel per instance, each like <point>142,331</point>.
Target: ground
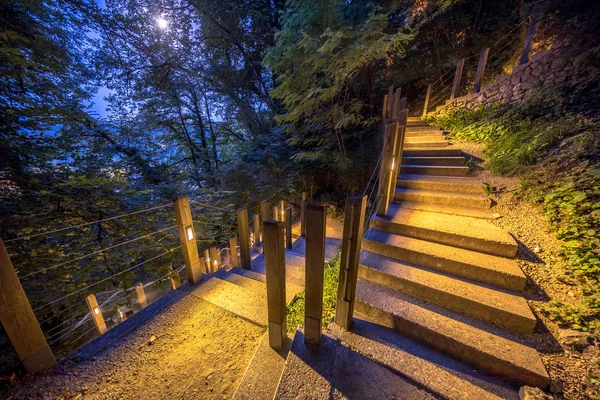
<point>569,356</point>
<point>192,350</point>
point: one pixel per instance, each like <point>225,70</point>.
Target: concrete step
<point>437,372</point>
<point>294,267</point>
<point>262,375</point>
<point>465,232</point>
<point>415,139</point>
<point>249,274</point>
<point>420,145</point>
<point>435,132</point>
<point>501,308</point>
<point>417,128</point>
<point>449,210</point>
<point>433,152</point>
<point>417,120</point>
<point>489,350</point>
<point>495,271</point>
<point>248,303</point>
<point>443,198</point>
<point>438,170</point>
<point>440,183</point>
<point>336,371</point>
<point>448,161</point>
<point>291,290</point>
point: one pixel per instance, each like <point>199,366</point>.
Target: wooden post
<point>427,98</point>
<point>19,321</point>
<point>242,219</point>
<point>141,295</point>
<point>264,210</point>
<point>187,238</point>
<point>206,263</point>
<point>533,24</point>
<point>275,270</point>
<point>96,313</point>
<point>276,216</point>
<point>390,96</point>
<point>395,104</point>
<point>303,214</point>
<point>282,210</point>
<point>386,175</point>
<point>384,109</point>
<point>457,76</point>
<point>401,106</point>
<point>480,69</point>
<point>402,119</point>
<point>214,259</point>
<point>354,217</point>
<point>256,226</point>
<point>233,252</point>
<point>288,227</point>
<point>314,270</point>
<point>175,280</point>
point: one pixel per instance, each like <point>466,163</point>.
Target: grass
<point>295,310</point>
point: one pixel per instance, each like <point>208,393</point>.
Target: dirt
<point>193,350</point>
<point>569,356</point>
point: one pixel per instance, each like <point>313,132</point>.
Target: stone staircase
<point>439,311</point>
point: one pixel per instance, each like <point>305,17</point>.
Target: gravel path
<point>569,356</point>
<point>192,350</point>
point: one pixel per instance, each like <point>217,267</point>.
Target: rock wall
<point>549,67</point>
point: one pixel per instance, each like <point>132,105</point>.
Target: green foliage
<point>295,310</point>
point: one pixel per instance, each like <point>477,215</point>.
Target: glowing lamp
<point>190,233</point>
<point>393,163</point>
<point>96,310</point>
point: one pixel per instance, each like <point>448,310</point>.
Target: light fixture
<point>393,163</point>
<point>189,232</point>
<point>96,310</point>
<point>162,23</point>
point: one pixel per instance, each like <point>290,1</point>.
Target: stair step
<point>481,348</point>
<point>419,145</point>
<point>443,198</point>
<point>338,372</point>
<point>507,310</point>
<point>248,303</point>
<point>417,128</point>
<point>465,232</point>
<point>435,371</point>
<point>496,271</point>
<point>418,139</point>
<point>439,170</point>
<point>447,161</point>
<point>415,119</point>
<point>436,132</point>
<point>291,290</point>
<point>249,274</point>
<point>449,210</point>
<point>433,152</point>
<point>440,183</point>
<point>294,267</point>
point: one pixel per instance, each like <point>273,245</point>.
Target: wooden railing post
<point>256,229</point>
<point>96,313</point>
<point>175,279</point>
<point>214,259</point>
<point>233,252</point>
<point>397,164</point>
<point>457,76</point>
<point>19,321</point>
<point>303,214</point>
<point>141,295</point>
<point>480,69</point>
<point>314,270</point>
<point>390,98</point>
<point>395,104</point>
<point>275,273</point>
<point>206,262</point>
<point>187,238</point>
<point>276,215</point>
<point>264,210</point>
<point>401,106</point>
<point>427,98</point>
<point>288,227</point>
<point>387,161</point>
<point>533,24</point>
<point>354,217</point>
<point>242,220</point>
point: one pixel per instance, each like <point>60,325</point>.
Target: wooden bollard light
<point>214,259</point>
<point>275,273</point>
<point>256,229</point>
<point>96,313</point>
<point>141,295</point>
<point>315,269</point>
<point>233,252</point>
<point>187,239</point>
